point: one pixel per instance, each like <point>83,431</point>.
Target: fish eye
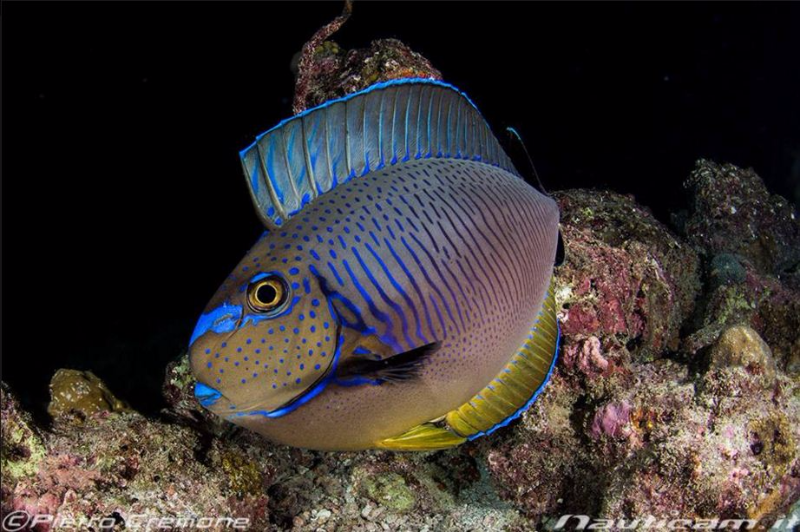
<point>267,294</point>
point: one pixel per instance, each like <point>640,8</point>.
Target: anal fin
<point>425,437</point>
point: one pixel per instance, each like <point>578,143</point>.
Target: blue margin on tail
<point>524,407</point>
<point>371,88</point>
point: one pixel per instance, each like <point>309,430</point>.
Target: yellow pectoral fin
<point>501,401</point>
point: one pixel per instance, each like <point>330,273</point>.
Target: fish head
<point>267,337</point>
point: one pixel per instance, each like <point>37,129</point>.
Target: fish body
<point>399,300</point>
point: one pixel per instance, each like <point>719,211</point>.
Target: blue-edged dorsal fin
<point>383,125</point>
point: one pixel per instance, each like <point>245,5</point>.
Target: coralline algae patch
<point>627,284</point>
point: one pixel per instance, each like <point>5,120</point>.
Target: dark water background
<point>124,206</point>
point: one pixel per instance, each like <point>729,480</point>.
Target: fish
<point>401,294</point>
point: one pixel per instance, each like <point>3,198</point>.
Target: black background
<point>123,203</point>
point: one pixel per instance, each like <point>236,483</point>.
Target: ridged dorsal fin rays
<point>315,151</point>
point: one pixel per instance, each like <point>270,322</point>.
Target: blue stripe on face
<point>220,320</point>
<point>206,394</point>
<point>255,319</point>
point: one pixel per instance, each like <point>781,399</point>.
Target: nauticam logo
<point>584,522</point>
<point>22,520</point>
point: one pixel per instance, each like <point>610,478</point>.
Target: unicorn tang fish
<point>400,296</point>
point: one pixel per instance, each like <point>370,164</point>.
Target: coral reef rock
<point>749,242</point>
<point>732,212</point>
<point>325,71</point>
<point>119,469</point>
<point>626,286</point>
<point>80,394</point>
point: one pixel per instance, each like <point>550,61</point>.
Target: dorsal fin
<point>382,125</point>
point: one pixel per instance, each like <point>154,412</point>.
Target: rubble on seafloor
<point>676,395</point>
